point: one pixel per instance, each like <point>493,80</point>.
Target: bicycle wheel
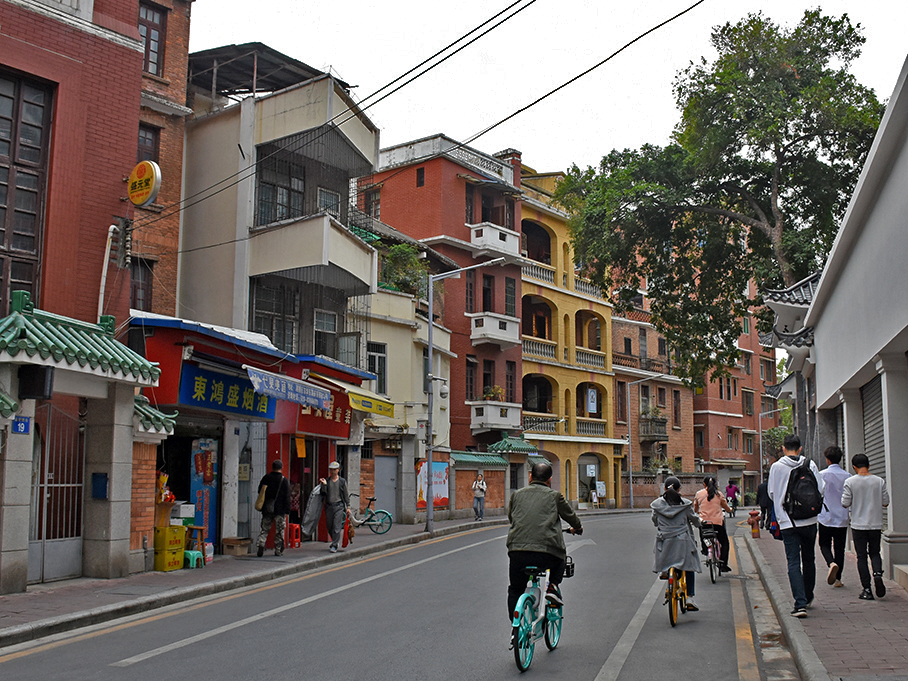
<point>673,597</point>
<point>524,644</point>
<point>682,591</point>
<point>553,619</point>
<point>381,522</point>
<point>713,567</point>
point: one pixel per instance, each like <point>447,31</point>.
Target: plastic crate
<point>165,561</point>
<point>169,538</point>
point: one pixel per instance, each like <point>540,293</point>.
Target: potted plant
<point>493,393</point>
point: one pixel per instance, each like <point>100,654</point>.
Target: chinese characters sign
<point>211,390</point>
<point>291,389</point>
<point>144,183</point>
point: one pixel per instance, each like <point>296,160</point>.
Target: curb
<point>809,664</point>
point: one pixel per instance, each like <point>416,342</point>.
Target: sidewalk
<point>842,637</point>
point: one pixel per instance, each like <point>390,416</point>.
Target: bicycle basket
<point>708,532</point>
<point>569,567</point>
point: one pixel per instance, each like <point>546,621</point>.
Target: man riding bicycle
<point>535,537</point>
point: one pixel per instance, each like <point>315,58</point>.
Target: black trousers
<point>721,535</point>
<point>519,560</point>
<point>867,543</point>
<point>832,545</point>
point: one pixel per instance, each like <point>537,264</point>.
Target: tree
<point>769,146</point>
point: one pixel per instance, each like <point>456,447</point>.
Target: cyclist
<point>675,544</point>
<point>709,504</point>
<point>731,492</point>
<point>535,537</point>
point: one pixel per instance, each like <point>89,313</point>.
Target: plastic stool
<point>193,559</point>
<point>195,539</point>
<point>294,536</point>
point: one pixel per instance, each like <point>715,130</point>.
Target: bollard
<point>754,522</point>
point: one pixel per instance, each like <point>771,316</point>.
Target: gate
<point>55,521</point>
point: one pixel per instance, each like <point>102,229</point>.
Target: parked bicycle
<point>713,552</point>
<point>676,594</point>
<point>529,624</point>
<point>378,521</point>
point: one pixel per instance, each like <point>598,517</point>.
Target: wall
<point>141,534</point>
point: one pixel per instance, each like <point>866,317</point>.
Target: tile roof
<point>802,338</point>
<point>8,406</point>
<point>478,459</point>
<point>512,445</point>
<point>30,336</point>
<point>799,294</point>
<point>150,418</point>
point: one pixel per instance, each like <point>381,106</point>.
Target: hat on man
<point>334,464</point>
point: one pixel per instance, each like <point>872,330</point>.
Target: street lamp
<point>430,499</point>
<point>630,460</point>
<point>762,414</point>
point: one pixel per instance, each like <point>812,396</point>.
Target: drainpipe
<point>113,229</point>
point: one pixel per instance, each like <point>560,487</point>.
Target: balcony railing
<point>538,347</point>
<point>491,327</point>
<point>653,429</point>
<point>540,423</point>
<point>587,288</point>
<point>622,360</point>
<point>594,427</point>
<point>539,271</point>
<point>650,364</point>
<point>492,415</point>
<point>590,358</point>
<point>495,239</point>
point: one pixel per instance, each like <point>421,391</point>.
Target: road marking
<point>289,606</point>
<point>748,669</point>
<point>577,544</point>
<point>615,662</point>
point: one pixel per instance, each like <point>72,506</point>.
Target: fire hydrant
<point>754,522</point>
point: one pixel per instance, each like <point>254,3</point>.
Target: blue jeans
<point>802,567</point>
<point>479,506</point>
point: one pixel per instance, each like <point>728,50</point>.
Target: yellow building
<point>568,383</point>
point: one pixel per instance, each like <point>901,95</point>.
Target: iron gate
<point>55,521</point>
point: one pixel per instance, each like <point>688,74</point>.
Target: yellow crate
<point>165,561</point>
<point>169,538</point>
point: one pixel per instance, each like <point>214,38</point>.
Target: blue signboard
<point>290,389</point>
<point>21,425</point>
<point>212,390</point>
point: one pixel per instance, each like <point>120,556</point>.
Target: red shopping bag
<point>347,538</point>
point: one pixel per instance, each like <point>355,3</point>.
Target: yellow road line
<point>748,669</point>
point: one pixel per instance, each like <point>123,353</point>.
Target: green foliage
<point>772,442</point>
<point>770,143</point>
<point>404,270</point>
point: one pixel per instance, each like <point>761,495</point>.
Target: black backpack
<point>802,497</point>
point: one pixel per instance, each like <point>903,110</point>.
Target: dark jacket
<point>763,500</point>
<point>279,490</point>
<point>535,513</point>
<point>345,495</point>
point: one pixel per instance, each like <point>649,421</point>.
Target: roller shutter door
<point>874,445</point>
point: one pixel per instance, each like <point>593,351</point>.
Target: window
<point>377,354</point>
<point>468,205</point>
<point>644,398</point>
<point>510,381</point>
<point>642,334</point>
<point>510,296</point>
<point>373,203</point>
<point>748,444</point>
<point>660,397</point>
<point>762,371</point>
<point>509,214</point>
<point>488,374</point>
<point>663,347</point>
<point>676,408</point>
<point>731,439</point>
<point>698,439</point>
<point>727,388</point>
<point>275,313</point>
<point>767,370</point>
<point>325,332</point>
<point>628,347</point>
<point>25,120</point>
<point>734,384</point>
<point>281,183</point>
<point>747,402</point>
<point>721,389</point>
<point>470,378</point>
<point>746,325</point>
<point>329,201</point>
<point>470,290</point>
<point>366,451</point>
<point>141,284</point>
<point>152,32</point>
<point>747,364</point>
<point>621,399</point>
<point>149,142</point>
<point>420,177</point>
<point>488,293</point>
<point>426,370</point>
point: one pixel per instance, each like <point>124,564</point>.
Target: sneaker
<point>333,549</point>
<point>260,552</point>
<point>866,595</point>
<point>278,553</point>
<point>800,613</point>
<point>513,642</point>
<point>691,606</point>
<point>833,571</point>
<point>553,596</point>
<point>724,568</point>
<point>663,575</point>
<point>809,603</point>
<point>838,583</point>
<point>878,583</point>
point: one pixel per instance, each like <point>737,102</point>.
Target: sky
<point>623,104</point>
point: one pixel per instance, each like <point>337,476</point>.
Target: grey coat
<point>675,544</point>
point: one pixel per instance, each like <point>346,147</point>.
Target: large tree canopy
<point>768,149</point>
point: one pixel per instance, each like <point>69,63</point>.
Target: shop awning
<point>732,463</point>
<point>360,398</point>
<point>286,388</point>
<point>478,460</point>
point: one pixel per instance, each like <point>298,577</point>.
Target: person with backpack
<point>796,490</point>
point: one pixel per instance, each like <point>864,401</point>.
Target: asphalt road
<point>434,610</point>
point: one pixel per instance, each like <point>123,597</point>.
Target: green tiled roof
<point>8,406</point>
<point>512,445</point>
<point>151,418</point>
<point>534,459</point>
<point>28,333</point>
<point>478,459</point>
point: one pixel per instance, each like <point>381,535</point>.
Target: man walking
<point>277,506</point>
<point>765,503</point>
<point>833,519</point>
<point>799,535</point>
<point>866,495</point>
<point>337,502</point>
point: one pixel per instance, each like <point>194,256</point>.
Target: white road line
<point>289,606</point>
<point>615,662</point>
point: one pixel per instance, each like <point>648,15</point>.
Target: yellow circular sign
<point>144,183</point>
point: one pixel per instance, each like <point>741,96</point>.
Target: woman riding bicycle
<point>731,493</point>
<point>709,504</point>
<point>675,544</point>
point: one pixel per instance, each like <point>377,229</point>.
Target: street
<point>434,609</point>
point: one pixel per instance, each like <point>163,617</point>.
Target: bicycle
<point>733,502</point>
<point>378,521</point>
<point>528,625</point>
<point>676,594</point>
<point>713,552</point>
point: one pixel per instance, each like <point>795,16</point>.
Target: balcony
<point>656,365</point>
<point>489,239</point>
<point>652,429</point>
<point>541,272</point>
<point>590,358</point>
<point>540,423</point>
<point>595,427</point>
<point>539,347</point>
<point>490,327</point>
<point>587,288</point>
<point>621,360</point>
<point>488,415</point>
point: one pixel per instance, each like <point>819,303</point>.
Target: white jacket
<point>779,474</point>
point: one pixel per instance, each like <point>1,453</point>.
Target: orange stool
<point>195,539</point>
<point>294,536</point>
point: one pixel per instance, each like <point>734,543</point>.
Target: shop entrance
<point>192,465</point>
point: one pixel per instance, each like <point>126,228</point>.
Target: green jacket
<point>534,513</point>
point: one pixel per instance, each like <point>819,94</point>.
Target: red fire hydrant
<point>754,522</point>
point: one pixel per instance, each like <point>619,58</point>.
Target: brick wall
<point>144,460</point>
<point>366,481</point>
<point>463,494</point>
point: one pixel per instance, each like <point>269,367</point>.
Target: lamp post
<point>762,414</point>
<point>630,460</point>
<point>430,499</point>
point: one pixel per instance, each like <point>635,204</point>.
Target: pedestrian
<point>711,507</point>
<point>799,535</point>
<point>731,493</point>
<point>866,495</point>
<point>833,519</point>
<point>765,504</point>
<point>479,497</point>
<point>337,503</point>
<point>277,505</point>
<point>675,545</point>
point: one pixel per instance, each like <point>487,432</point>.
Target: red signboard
<point>333,422</point>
